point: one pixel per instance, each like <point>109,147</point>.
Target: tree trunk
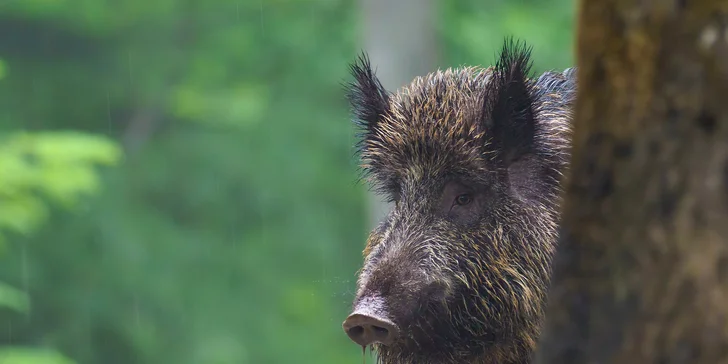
<point>400,39</point>
<point>641,272</point>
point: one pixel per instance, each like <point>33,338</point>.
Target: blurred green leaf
<point>241,106</point>
<point>20,355</point>
<point>67,147</point>
<point>14,299</point>
<point>58,165</point>
<point>21,213</point>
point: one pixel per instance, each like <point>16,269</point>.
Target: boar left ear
<point>508,113</point>
<point>368,98</point>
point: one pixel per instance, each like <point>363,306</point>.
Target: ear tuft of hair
<point>508,106</point>
<point>367,97</point>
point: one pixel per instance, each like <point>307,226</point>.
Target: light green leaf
<point>21,213</point>
<point>69,146</point>
<point>20,355</point>
<point>13,298</point>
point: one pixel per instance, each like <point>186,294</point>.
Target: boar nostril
<point>366,330</point>
<point>356,331</point>
<point>380,331</point>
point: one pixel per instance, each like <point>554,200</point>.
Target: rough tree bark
<point>641,273</point>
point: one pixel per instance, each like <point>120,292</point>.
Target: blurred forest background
<point>178,181</point>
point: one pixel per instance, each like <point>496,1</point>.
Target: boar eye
<point>463,199</point>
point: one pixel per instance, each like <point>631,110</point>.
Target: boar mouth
<point>419,345</point>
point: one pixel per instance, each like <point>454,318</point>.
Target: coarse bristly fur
<point>473,160</point>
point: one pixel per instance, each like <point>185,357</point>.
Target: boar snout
<point>369,323</point>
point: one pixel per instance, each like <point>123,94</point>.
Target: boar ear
<point>508,114</point>
<point>368,98</point>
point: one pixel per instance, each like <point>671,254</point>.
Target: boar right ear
<point>368,98</point>
<point>508,107</point>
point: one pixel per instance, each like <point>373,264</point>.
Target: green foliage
<point>36,167</point>
<point>232,231</point>
<point>13,298</point>
<point>244,105</point>
<point>473,30</point>
<point>18,355</point>
<point>52,165</point>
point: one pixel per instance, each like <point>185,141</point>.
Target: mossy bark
<point>641,272</point>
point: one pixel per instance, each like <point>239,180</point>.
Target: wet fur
<point>466,287</point>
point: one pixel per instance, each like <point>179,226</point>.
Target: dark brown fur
<point>464,278</point>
